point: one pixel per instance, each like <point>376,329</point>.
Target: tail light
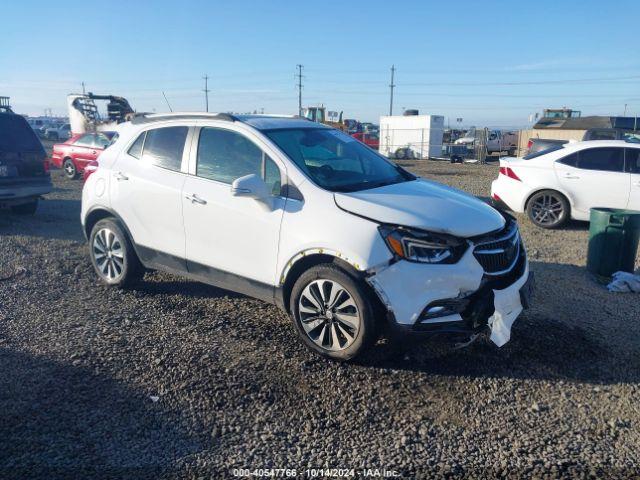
<point>91,167</point>
<point>46,165</point>
<point>509,173</point>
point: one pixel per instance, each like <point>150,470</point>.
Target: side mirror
<point>251,186</point>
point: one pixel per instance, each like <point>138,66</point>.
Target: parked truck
<point>496,140</point>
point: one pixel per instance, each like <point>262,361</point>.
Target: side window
<point>632,159</point>
<point>602,135</point>
<point>135,150</point>
<point>603,159</point>
<point>571,160</point>
<point>85,140</point>
<point>163,147</point>
<point>224,155</point>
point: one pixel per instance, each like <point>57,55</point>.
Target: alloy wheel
<point>329,315</point>
<point>108,254</point>
<point>69,169</point>
<point>547,209</point>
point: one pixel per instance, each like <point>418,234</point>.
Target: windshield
<point>336,161</point>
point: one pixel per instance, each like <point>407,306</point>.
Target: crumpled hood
<point>426,205</point>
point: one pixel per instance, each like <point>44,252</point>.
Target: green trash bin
<point>613,241</point>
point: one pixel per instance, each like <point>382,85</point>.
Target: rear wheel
<point>112,254</point>
<point>548,209</point>
<point>69,168</point>
<point>333,313</point>
<point>26,208</point>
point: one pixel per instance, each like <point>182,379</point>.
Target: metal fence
<point>477,145</point>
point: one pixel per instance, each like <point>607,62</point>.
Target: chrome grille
<point>499,253</point>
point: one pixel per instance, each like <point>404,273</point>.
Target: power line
<point>206,91</point>
<point>392,86</point>
<point>537,82</point>
<point>299,75</point>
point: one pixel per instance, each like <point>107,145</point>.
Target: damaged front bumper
<point>457,300</point>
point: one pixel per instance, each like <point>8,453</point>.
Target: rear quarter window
<point>135,150</point>
<point>571,160</point>
<point>163,147</point>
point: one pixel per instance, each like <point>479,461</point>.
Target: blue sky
<point>490,63</point>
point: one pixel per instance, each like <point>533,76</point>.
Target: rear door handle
<point>570,176</point>
<point>637,184</point>
<point>120,176</point>
<point>193,198</point>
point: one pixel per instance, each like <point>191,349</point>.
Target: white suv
<point>306,217</point>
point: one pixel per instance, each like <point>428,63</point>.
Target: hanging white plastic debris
<point>507,308</point>
<point>624,282</point>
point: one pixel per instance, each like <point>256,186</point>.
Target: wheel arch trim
<point>308,258</point>
<point>97,213</point>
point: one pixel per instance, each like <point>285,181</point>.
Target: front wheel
<point>548,209</point>
<point>333,313</point>
<point>112,254</point>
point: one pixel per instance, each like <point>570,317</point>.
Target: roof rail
<point>142,118</point>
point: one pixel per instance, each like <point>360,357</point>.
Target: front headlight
<point>423,247</point>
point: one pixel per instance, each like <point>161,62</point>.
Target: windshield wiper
<point>355,187</point>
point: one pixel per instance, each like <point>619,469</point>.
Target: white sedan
<point>568,180</point>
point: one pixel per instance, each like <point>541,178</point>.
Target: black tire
<point>548,209</point>
<point>367,331</point>
<point>117,265</point>
<point>26,208</point>
<point>69,169</point>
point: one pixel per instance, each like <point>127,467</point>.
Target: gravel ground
<point>176,379</point>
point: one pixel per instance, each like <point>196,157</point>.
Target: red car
<point>75,154</point>
<point>369,139</point>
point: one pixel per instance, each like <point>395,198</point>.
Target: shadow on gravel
<point>571,335</point>
<point>55,219</point>
<point>59,421</point>
<point>575,225</point>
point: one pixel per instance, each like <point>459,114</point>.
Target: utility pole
<point>299,75</point>
<point>392,85</point>
<point>83,92</point>
<point>206,91</point>
<point>625,110</point>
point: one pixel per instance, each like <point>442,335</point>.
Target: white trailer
<point>411,136</point>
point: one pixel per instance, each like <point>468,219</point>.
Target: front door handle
<point>193,198</point>
<point>120,176</point>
